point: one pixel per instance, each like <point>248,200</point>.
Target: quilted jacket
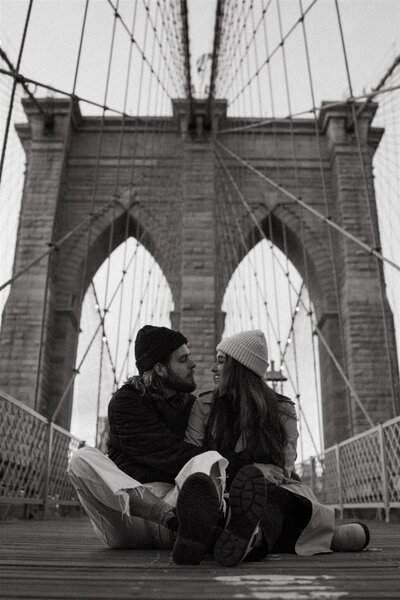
<point>146,438</point>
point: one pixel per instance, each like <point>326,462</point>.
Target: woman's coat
<point>316,537</point>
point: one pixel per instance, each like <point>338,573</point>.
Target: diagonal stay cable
<point>320,334</point>
<point>99,326</point>
<point>313,211</point>
<point>141,302</point>
<point>229,243</point>
<point>58,243</point>
<point>312,109</point>
<point>22,79</point>
<point>98,310</point>
<point>294,314</point>
<point>282,357</point>
<point>10,65</point>
<point>247,249</point>
<point>229,262</point>
<point>14,88</point>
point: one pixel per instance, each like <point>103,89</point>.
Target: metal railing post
<point>313,474</point>
<point>384,477</point>
<point>339,476</point>
<point>47,472</point>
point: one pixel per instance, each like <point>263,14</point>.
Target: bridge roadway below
<point>62,559</point>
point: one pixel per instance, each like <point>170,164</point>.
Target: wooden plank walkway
<point>62,559</point>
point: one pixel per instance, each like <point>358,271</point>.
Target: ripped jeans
<point>101,488</point>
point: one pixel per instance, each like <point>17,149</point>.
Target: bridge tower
<point>44,305</point>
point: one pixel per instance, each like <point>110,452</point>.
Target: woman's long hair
<point>245,407</point>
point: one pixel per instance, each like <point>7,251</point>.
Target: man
<point>149,414</point>
<point>130,496</point>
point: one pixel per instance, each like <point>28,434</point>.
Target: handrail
<point>360,472</point>
<point>34,455</point>
<point>21,405</point>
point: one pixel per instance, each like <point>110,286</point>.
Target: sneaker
<point>351,537</point>
<point>198,510</point>
<point>248,501</point>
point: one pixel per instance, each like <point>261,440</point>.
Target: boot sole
<point>197,509</point>
<point>367,534</point>
<point>248,502</point>
<point>347,545</point>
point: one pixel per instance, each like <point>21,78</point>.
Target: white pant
<point>101,488</point>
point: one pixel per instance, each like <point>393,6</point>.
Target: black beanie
<point>153,344</point>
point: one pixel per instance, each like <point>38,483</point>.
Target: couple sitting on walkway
<point>213,474</point>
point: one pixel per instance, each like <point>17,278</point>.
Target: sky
<point>371,28</point>
<point>371,32</point>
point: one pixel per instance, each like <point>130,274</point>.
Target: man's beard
<point>178,384</point>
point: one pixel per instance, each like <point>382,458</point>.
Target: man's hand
<point>272,473</point>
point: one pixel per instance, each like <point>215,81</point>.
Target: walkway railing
<point>361,472</point>
<point>34,454</point>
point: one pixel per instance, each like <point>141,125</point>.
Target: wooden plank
<point>63,560</point>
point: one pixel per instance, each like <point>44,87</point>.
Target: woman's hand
<point>272,473</point>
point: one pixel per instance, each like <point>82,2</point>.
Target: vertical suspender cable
<point>49,261</point>
<point>329,232</point>
<point>374,233</point>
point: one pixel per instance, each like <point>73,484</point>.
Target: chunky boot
<point>198,510</point>
<point>248,502</point>
<point>144,504</point>
<point>351,537</point>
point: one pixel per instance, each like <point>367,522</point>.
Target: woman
<point>248,421</point>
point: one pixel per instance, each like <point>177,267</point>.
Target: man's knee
<point>80,460</point>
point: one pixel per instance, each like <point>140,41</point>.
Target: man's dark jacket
<point>146,434</point>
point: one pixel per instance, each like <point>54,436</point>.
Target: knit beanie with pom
<point>249,348</point>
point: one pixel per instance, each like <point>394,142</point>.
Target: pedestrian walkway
<point>62,559</point>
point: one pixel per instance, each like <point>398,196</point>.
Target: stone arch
<point>319,277</point>
<point>68,288</point>
<point>106,236</point>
